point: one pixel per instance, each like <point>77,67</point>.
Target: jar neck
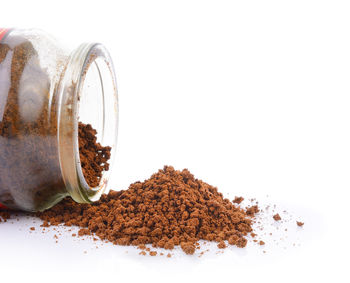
<point>90,64</point>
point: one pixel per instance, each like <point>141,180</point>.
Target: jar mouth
<point>88,94</point>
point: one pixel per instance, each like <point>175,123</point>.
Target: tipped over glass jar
<point>45,92</point>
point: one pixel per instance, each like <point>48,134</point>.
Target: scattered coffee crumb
<point>142,253</point>
<point>222,245</point>
<point>300,224</point>
<point>32,228</point>
<point>238,200</point>
<point>74,235</point>
<point>261,243</point>
<point>188,248</point>
<point>277,217</point>
<point>83,232</point>
<point>168,255</point>
<point>45,224</point>
<point>152,253</point>
<point>238,241</point>
<point>251,211</point>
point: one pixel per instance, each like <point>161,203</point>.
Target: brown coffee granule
<point>152,253</point>
<point>142,253</point>
<point>237,241</point>
<point>251,211</point>
<point>188,248</point>
<point>277,217</point>
<point>141,247</point>
<point>83,232</point>
<point>32,228</point>
<point>93,156</point>
<point>238,200</point>
<point>45,224</point>
<point>222,245</point>
<point>168,255</point>
<point>169,209</point>
<point>261,243</point>
<point>300,224</point>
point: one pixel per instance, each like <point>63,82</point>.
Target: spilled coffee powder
<point>93,156</point>
<point>171,208</point>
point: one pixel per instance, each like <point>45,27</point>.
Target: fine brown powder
<point>171,208</point>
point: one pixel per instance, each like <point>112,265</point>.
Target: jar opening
<point>93,102</point>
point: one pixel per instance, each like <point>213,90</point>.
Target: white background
<point>251,96</point>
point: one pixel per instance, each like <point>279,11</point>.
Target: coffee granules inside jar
<point>25,157</point>
<point>171,208</point>
<point>40,154</point>
<point>39,106</point>
<point>93,156</point>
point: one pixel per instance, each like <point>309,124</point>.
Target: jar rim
<point>70,93</point>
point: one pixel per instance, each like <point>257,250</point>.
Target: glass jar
<point>44,92</point>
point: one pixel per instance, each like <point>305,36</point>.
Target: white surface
<point>251,96</point>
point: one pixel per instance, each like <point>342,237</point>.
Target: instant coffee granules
<point>171,208</point>
<point>93,156</point>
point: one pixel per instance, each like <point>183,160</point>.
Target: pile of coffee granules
<point>93,156</point>
<point>172,208</point>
